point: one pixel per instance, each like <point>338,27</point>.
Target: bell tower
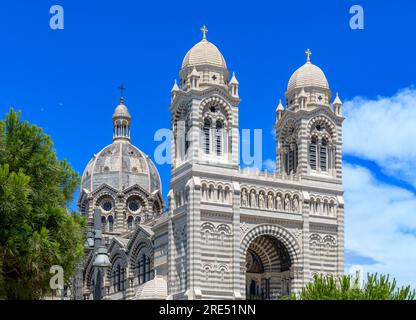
<point>204,123</point>
<point>309,128</point>
<point>204,114</point>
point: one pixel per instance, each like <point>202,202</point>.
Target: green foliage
<point>36,230</point>
<point>347,287</point>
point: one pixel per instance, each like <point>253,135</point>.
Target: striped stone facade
<point>253,234</point>
<point>232,232</point>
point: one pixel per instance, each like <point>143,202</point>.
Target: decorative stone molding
<point>259,198</point>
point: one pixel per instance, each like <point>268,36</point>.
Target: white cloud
<point>269,165</point>
<point>384,130</point>
<point>375,215</point>
<point>273,133</point>
<point>380,219</point>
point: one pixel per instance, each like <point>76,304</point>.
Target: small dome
<point>121,111</point>
<point>121,165</point>
<point>203,53</point>
<point>309,75</point>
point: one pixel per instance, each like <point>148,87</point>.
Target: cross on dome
<point>122,88</point>
<point>308,53</point>
<point>204,31</point>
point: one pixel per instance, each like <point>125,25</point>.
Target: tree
<point>36,230</point>
<point>347,287</point>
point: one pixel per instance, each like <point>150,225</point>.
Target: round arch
<point>276,248</point>
<point>220,102</point>
<point>280,233</point>
<point>325,121</point>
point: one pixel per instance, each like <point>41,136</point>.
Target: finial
<point>122,88</point>
<point>234,79</point>
<point>308,53</point>
<point>280,106</point>
<point>175,86</point>
<point>204,31</point>
<point>194,72</point>
<point>337,100</point>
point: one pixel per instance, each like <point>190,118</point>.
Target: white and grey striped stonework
<point>229,213</point>
<point>233,232</point>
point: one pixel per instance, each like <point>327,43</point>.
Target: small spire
<point>337,100</point>
<point>204,31</point>
<point>308,53</point>
<point>175,87</point>
<point>302,93</point>
<point>194,73</point>
<point>233,79</point>
<point>280,106</point>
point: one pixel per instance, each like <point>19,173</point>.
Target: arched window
<point>204,191</point>
<point>226,195</point>
<point>312,206</point>
<point>144,273</point>
<point>130,222</point>
<point>110,224</point>
<point>218,138</point>
<point>323,155</point>
<point>211,193</point>
<point>147,275</point>
<point>206,134</point>
<point>139,272</point>
<point>288,143</point>
<point>137,221</point>
<point>312,153</point>
<point>119,278</point>
<point>187,136</point>
<point>103,224</point>
<point>292,158</point>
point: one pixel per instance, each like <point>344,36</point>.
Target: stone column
<point>238,288</point>
<point>193,226</point>
<point>130,284</point>
<point>304,241</point>
<point>303,144</point>
<point>340,236</point>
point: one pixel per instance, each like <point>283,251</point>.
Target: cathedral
<point>227,232</point>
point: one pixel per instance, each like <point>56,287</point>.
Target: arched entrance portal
<point>270,262</point>
<point>268,265</point>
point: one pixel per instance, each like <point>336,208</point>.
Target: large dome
<point>308,75</point>
<point>121,165</point>
<point>204,53</point>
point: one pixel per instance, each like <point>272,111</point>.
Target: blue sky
<point>66,81</point>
